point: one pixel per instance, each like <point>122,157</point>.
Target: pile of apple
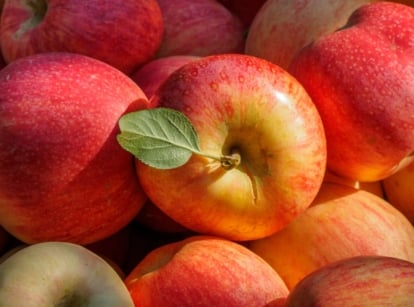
<point>206,153</point>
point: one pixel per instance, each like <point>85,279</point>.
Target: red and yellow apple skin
<point>304,20</point>
<point>204,271</point>
<point>124,36</point>
<point>342,222</point>
<point>399,190</point>
<point>362,281</point>
<point>243,104</point>
<point>360,79</point>
<point>63,175</point>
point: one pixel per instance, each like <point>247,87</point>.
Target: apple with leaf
<point>235,148</point>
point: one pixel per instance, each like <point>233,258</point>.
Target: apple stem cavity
<point>229,162</point>
<point>72,300</point>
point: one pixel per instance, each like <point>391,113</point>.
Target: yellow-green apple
<point>362,281</point>
<point>204,271</point>
<point>305,21</point>
<point>152,74</point>
<point>246,10</point>
<point>199,27</point>
<point>124,36</point>
<point>399,190</point>
<point>342,222</point>
<point>60,274</point>
<point>257,114</point>
<point>63,175</point>
<point>359,79</point>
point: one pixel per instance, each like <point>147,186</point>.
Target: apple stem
<point>228,162</point>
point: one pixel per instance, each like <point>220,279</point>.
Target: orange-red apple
<point>342,222</point>
<point>204,271</point>
<point>240,106</point>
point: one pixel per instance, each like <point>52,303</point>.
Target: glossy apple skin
<point>204,271</point>
<point>246,104</point>
<point>342,222</point>
<point>85,27</point>
<point>361,281</point>
<point>60,274</point>
<point>399,190</point>
<point>360,80</point>
<point>63,175</point>
<point>150,76</point>
<point>199,27</point>
<point>304,20</point>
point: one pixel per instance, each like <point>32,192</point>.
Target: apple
<point>150,76</point>
<point>281,28</point>
<point>246,10</point>
<point>204,271</point>
<point>124,36</point>
<point>257,114</point>
<point>357,281</point>
<point>359,79</point>
<point>200,28</point>
<point>342,222</point>
<point>60,274</point>
<point>399,190</point>
<point>63,175</point>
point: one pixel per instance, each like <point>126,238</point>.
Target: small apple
<point>360,80</point>
<point>63,175</point>
<point>200,28</point>
<point>150,76</point>
<point>204,271</point>
<point>362,281</point>
<point>124,36</point>
<point>259,117</point>
<point>399,190</point>
<point>60,274</point>
<point>342,222</point>
<point>281,28</point>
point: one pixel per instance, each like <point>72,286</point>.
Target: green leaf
<point>161,138</point>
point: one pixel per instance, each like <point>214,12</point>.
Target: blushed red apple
<point>124,36</point>
<point>360,80</point>
<point>204,271</point>
<point>342,222</point>
<point>200,28</point>
<point>63,175</point>
<point>362,281</point>
<point>245,106</point>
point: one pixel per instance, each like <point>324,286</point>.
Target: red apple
<point>399,190</point>
<point>199,27</point>
<point>204,271</point>
<point>248,107</point>
<point>246,10</point>
<point>150,76</point>
<point>342,222</point>
<point>63,175</point>
<point>60,274</point>
<point>280,29</point>
<point>362,281</point>
<point>360,80</point>
<point>123,35</point>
